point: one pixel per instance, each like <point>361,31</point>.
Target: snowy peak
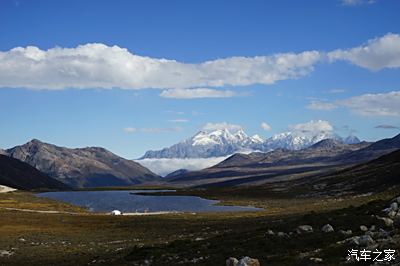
<point>223,142</point>
<point>257,139</point>
<point>219,137</point>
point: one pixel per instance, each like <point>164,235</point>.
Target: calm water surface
<point>129,201</point>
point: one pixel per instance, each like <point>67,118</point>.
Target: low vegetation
<point>76,237</point>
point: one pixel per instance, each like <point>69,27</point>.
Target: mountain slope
<point>376,175</point>
<point>83,167</point>
<point>278,165</point>
<point>20,175</point>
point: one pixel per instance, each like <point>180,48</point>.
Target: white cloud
<point>182,120</point>
<point>222,125</point>
<point>152,129</point>
<point>336,91</point>
<point>378,53</point>
<point>385,126</point>
<point>357,2</point>
<point>165,166</point>
<point>318,105</point>
<point>380,104</point>
<point>130,129</point>
<point>96,65</point>
<point>196,93</point>
<point>265,126</point>
<point>313,126</point>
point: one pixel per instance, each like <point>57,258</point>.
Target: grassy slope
<point>63,239</point>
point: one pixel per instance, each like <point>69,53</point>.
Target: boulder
<point>316,260</point>
<point>282,234</point>
<point>232,262</point>
<point>396,200</point>
<point>388,222</point>
<point>270,232</point>
<point>394,206</point>
<point>355,240</point>
<point>372,228</point>
<point>365,240</point>
<point>304,229</point>
<point>346,233</point>
<point>392,214</point>
<point>363,228</point>
<point>327,228</point>
<point>247,261</point>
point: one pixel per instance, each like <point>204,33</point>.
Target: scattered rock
<point>327,228</point>
<point>232,262</point>
<point>282,234</point>
<point>301,229</point>
<point>247,261</point>
<point>270,232</point>
<point>372,228</point>
<point>392,214</point>
<point>6,253</point>
<point>363,228</point>
<point>388,222</point>
<point>316,260</point>
<point>396,200</point>
<point>355,240</point>
<point>394,206</point>
<point>365,240</point>
<point>346,233</point>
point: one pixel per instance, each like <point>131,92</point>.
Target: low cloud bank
<point>165,166</point>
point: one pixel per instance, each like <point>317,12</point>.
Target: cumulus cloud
<point>319,105</point>
<point>152,129</point>
<point>222,125</point>
<point>376,54</point>
<point>266,126</point>
<point>384,126</point>
<point>165,166</point>
<point>379,104</point>
<point>196,93</point>
<point>313,126</point>
<point>96,65</point>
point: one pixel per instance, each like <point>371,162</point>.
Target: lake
<point>130,201</point>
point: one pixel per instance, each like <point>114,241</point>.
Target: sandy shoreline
<point>149,213</point>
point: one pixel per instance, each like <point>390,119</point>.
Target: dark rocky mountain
<point>372,151</point>
<point>82,167</point>
<point>20,175</point>
<point>177,173</point>
<point>373,176</point>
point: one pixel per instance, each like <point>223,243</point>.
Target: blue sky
<point>114,98</point>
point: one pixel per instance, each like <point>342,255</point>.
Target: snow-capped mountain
<point>298,140</point>
<point>204,144</point>
<point>223,142</point>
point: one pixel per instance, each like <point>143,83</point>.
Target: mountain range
<point>82,167</point>
<point>281,164</point>
<point>223,142</point>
